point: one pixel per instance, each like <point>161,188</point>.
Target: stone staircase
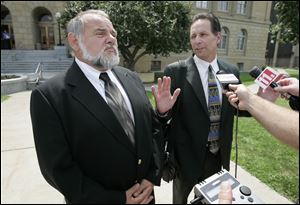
<point>25,62</point>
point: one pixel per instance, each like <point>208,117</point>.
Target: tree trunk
<point>129,64</point>
<point>276,50</point>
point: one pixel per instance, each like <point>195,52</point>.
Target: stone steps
<point>30,67</point>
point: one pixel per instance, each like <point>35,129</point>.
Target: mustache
<point>109,47</point>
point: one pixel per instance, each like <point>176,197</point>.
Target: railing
<point>38,72</point>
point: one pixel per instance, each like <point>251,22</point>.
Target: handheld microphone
<point>226,78</point>
<point>256,71</point>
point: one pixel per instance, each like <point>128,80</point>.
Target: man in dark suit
<point>200,149</point>
<point>85,150</point>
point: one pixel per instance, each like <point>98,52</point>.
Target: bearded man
<point>93,125</point>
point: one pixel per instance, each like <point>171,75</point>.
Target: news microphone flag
<point>266,77</point>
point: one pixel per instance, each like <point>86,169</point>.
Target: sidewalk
<point>21,179</point>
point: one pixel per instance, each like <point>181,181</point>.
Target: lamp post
<point>57,16</point>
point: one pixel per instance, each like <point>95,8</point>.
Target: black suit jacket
<point>82,149</point>
<point>190,120</point>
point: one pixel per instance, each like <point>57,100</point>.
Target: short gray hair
<point>76,24</point>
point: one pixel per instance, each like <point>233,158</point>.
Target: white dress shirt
<point>93,76</point>
<point>202,67</point>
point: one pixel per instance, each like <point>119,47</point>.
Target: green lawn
<point>4,97</point>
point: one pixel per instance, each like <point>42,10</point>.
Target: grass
<point>292,72</point>
<point>4,97</point>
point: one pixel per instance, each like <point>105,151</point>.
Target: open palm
<point>163,98</point>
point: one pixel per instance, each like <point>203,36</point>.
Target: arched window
<point>45,18</point>
<point>45,29</point>
<point>241,42</point>
<point>225,36</point>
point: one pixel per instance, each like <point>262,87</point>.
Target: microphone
<point>256,71</point>
<point>226,78</point>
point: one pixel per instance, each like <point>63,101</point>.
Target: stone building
<point>245,27</point>
<point>33,25</point>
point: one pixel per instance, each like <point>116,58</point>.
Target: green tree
<point>144,27</point>
<point>287,13</point>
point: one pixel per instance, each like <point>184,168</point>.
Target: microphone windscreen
<point>255,72</point>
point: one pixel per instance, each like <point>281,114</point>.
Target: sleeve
<point>55,158</point>
<point>158,149</point>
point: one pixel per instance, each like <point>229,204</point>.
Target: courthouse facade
<point>33,25</point>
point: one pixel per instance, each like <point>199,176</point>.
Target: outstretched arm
<point>281,122</point>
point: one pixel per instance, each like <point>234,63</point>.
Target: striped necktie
<point>214,110</point>
<point>117,104</point>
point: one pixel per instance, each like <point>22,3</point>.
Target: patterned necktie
<point>117,104</point>
<point>214,110</point>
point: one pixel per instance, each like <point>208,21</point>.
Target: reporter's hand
<point>239,96</point>
<point>269,93</point>
<point>290,85</point>
<point>163,97</point>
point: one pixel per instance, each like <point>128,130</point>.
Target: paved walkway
<point>22,182</point>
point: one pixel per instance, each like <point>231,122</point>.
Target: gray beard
<point>102,60</point>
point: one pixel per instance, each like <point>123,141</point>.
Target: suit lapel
<point>195,81</point>
<point>87,95</point>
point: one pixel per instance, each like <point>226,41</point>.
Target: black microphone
<point>256,71</point>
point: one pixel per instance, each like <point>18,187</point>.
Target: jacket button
<point>139,161</point>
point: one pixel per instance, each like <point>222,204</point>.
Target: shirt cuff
<point>164,115</point>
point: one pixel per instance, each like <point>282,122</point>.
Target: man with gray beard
<point>93,126</point>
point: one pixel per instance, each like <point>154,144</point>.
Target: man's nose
<point>111,39</point>
<point>198,39</point>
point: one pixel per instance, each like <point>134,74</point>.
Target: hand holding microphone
<point>288,85</point>
<point>289,91</point>
<point>239,96</point>
<point>267,78</point>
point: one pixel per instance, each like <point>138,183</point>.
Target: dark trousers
<point>182,189</point>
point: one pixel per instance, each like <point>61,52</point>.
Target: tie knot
<point>210,69</point>
<point>104,77</point>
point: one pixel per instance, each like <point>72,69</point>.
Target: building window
<point>202,4</point>
<point>240,66</point>
<point>241,43</point>
<point>46,32</point>
<point>241,7</point>
<point>7,32</point>
<point>223,6</point>
<point>155,65</point>
<point>225,37</point>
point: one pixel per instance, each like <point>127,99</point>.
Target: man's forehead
<point>87,18</point>
<point>201,24</point>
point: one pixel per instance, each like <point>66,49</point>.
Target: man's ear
<point>73,41</point>
<point>219,38</point>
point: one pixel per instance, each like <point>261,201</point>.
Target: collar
<point>204,64</point>
<point>90,72</point>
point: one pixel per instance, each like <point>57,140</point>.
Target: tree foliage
<point>287,13</point>
<point>144,27</point>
